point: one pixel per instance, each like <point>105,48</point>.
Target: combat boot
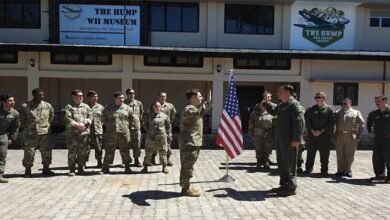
<point>46,171</point>
<point>105,170</point>
<point>137,163</point>
<point>165,170</point>
<point>145,169</point>
<point>27,172</point>
<point>72,171</point>
<point>186,191</point>
<point>169,161</point>
<point>154,160</point>
<point>286,192</point>
<point>80,169</point>
<point>3,180</point>
<point>128,170</point>
<point>258,165</point>
<point>99,164</point>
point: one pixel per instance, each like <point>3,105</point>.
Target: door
<point>248,97</point>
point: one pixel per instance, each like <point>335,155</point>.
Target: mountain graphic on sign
<point>71,12</point>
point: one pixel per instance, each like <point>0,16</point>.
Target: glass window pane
<point>103,58</point>
<point>194,60</point>
<point>282,63</point>
<point>374,22</point>
<point>73,58</point>
<point>14,14</point>
<point>190,19</point>
<point>165,60</point>
<point>8,57</point>
<point>31,15</point>
<point>173,18</point>
<point>270,63</point>
<point>241,62</point>
<point>153,59</point>
<point>249,20</point>
<point>181,60</point>
<point>385,22</point>
<point>90,58</point>
<point>265,20</point>
<point>232,19</point>
<point>157,17</point>
<point>254,62</point>
<point>60,57</point>
<point>2,13</point>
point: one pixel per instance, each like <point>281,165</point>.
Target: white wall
<point>373,38</point>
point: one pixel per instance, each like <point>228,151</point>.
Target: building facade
<point>339,47</point>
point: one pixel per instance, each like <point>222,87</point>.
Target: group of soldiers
<point>117,125</point>
<point>283,126</point>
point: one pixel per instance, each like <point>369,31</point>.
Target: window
<point>174,17</point>
<point>380,18</point>
<point>249,19</point>
<point>20,14</point>
<point>345,90</point>
<point>83,59</point>
<point>179,61</point>
<point>9,57</point>
<point>253,63</point>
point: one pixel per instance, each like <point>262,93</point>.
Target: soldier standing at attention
<point>9,126</point>
<point>290,124</point>
<point>96,133</point>
<point>378,126</point>
<point>349,127</point>
<point>170,110</point>
<point>137,110</point>
<point>158,135</point>
<point>35,118</point>
<point>191,137</point>
<point>260,130</point>
<point>320,124</point>
<point>117,118</point>
<point>78,118</point>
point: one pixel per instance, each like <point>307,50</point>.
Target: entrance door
<point>248,97</point>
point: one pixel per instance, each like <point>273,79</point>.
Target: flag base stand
<point>227,179</point>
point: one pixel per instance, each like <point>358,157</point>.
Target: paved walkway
<point>156,196</point>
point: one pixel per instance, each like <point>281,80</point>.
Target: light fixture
<point>219,68</point>
<point>32,62</point>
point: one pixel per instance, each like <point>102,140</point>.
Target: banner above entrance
<point>115,25</point>
<point>323,26</point>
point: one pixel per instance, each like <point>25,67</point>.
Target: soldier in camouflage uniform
<point>191,137</point>
<point>158,128</point>
<point>260,130</point>
<point>137,110</point>
<point>170,110</point>
<point>117,118</point>
<point>290,124</point>
<point>35,117</point>
<point>9,126</point>
<point>78,118</point>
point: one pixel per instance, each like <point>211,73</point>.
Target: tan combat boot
<point>187,191</point>
<point>165,170</point>
<point>72,171</point>
<point>3,180</point>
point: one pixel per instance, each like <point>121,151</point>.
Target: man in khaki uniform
<point>35,118</point>
<point>9,127</point>
<point>78,118</point>
<point>117,118</point>
<point>170,110</point>
<point>191,137</point>
<point>96,134</point>
<point>349,126</point>
<point>158,135</point>
<point>137,110</point>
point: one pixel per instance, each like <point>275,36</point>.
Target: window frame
<point>173,62</point>
<point>23,25</point>
<point>355,101</point>
<point>257,6</point>
<point>81,60</point>
<point>262,65</point>
<point>165,5</point>
<point>14,61</point>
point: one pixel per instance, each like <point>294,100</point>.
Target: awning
<point>204,52</point>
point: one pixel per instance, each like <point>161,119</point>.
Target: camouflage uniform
<point>117,120</point>
<point>158,127</point>
<point>137,110</point>
<point>190,139</point>
<point>35,120</point>
<point>260,130</point>
<point>9,126</point>
<point>76,140</point>
<point>96,134</point>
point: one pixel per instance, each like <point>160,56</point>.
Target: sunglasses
<point>344,103</point>
<point>318,97</point>
<point>130,93</point>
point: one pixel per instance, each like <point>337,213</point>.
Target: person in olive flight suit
<point>290,124</point>
<point>378,126</point>
<point>9,127</point>
<point>320,125</point>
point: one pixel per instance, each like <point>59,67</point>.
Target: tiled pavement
<point>156,196</point>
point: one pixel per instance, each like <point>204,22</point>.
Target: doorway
<point>248,97</point>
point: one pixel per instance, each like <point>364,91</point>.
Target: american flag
<point>230,130</point>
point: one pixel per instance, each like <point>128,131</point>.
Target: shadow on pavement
<point>360,182</point>
<point>140,198</point>
<point>171,184</point>
<point>253,195</point>
<point>250,168</point>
